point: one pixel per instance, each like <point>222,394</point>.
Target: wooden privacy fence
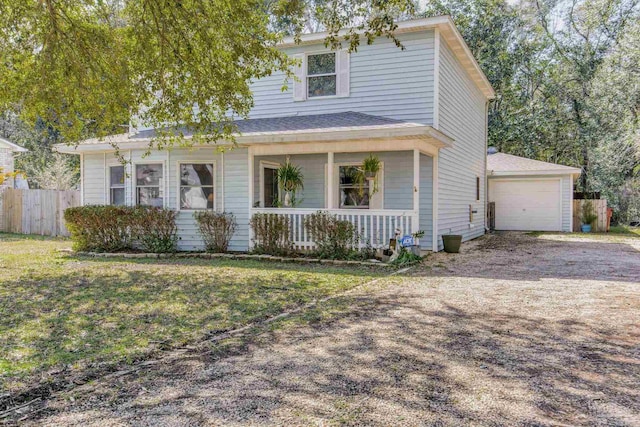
<point>36,211</point>
<point>600,209</point>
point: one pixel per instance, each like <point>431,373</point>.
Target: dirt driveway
<point>518,330</point>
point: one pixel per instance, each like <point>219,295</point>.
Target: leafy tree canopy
<point>89,66</point>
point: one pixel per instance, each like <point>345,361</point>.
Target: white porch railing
<point>376,227</point>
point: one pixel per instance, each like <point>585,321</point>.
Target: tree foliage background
<point>566,72</point>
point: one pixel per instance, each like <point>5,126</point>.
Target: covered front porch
<point>400,199</point>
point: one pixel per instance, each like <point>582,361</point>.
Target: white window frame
<point>380,192</point>
<point>215,181</point>
<point>307,75</point>
<point>110,187</point>
<point>134,181</point>
<point>267,165</point>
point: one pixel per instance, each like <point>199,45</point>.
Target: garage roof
<point>5,143</point>
<point>501,164</point>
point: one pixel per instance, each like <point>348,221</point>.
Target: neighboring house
<point>8,151</point>
<point>421,110</point>
<point>530,195</point>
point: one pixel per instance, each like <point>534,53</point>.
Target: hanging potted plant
<point>588,216</point>
<point>291,180</point>
<point>371,165</point>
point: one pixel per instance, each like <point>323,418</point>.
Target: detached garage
<point>530,195</point>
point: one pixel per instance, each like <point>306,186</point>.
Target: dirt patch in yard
<point>515,330</point>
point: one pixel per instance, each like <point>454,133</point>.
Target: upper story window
<point>149,185</point>
<point>321,74</point>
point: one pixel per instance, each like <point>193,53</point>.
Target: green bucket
<point>452,243</point>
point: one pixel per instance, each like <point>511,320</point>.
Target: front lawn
<point>66,314</point>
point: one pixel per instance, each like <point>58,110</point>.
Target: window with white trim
<point>116,186</point>
<point>196,186</point>
<point>321,75</point>
<point>149,185</point>
<point>353,191</point>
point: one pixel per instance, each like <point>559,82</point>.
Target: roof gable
<point>448,31</point>
<point>5,143</point>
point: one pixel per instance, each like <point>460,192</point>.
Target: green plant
<point>216,229</point>
<point>119,228</point>
<point>371,165</point>
<point>290,179</point>
<point>406,258</point>
<point>588,213</point>
<point>154,229</point>
<point>271,234</point>
<point>335,238</point>
<point>99,228</point>
<point>418,234</point>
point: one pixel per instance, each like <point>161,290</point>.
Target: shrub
<point>589,215</point>
<point>154,229</point>
<point>271,234</point>
<point>335,238</point>
<point>118,228</point>
<point>99,228</point>
<point>216,229</point>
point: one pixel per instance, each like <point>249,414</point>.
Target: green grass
<point>623,229</point>
<point>65,313</point>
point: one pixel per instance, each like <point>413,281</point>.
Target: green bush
<point>154,229</point>
<point>99,228</point>
<point>335,238</point>
<point>121,228</point>
<point>271,234</point>
<point>216,229</point>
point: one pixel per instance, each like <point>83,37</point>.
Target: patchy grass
<point>623,229</point>
<point>62,313</point>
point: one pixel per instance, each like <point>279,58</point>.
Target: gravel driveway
<point>517,330</point>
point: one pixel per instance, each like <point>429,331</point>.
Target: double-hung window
<point>321,74</point>
<point>149,185</point>
<point>196,186</point>
<point>353,190</point>
<point>116,185</point>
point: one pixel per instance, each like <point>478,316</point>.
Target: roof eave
<point>569,171</point>
<point>437,138</point>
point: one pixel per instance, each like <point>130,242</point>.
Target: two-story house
<point>422,111</point>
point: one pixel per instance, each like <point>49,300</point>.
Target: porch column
<point>416,188</point>
<point>330,189</point>
<point>251,167</point>
<point>434,201</point>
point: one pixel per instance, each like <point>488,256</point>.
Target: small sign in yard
<point>406,241</point>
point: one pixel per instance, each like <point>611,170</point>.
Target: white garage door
<point>527,204</point>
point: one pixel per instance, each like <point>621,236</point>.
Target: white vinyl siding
<point>236,195</point>
<point>462,116</point>
<point>426,202</point>
<point>383,80</point>
<point>95,183</point>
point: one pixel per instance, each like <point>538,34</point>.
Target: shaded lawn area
<point>67,313</point>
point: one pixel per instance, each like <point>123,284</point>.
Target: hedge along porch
<point>321,143</point>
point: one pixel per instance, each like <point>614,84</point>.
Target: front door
<point>270,188</point>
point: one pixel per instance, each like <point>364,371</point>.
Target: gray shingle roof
<point>347,119</point>
<point>501,162</point>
